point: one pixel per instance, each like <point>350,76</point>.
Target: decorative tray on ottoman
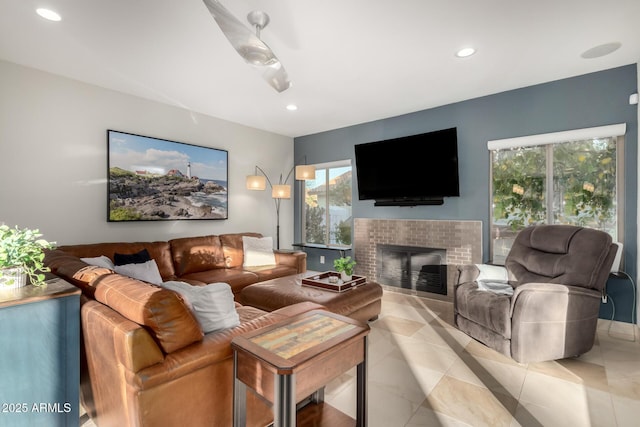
<point>330,281</point>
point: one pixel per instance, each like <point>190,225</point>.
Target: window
<point>327,205</point>
<point>565,181</point>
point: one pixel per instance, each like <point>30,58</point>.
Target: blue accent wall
<point>595,99</point>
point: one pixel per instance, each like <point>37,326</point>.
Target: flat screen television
<point>408,171</point>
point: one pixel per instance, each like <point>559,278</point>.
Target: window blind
<point>564,136</point>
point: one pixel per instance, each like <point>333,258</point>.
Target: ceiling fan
<point>249,45</point>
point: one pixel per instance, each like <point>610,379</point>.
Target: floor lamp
<point>281,190</point>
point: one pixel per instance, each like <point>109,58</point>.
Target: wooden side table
<point>291,360</point>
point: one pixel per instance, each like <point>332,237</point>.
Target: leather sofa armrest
<point>297,259</point>
<point>74,270</point>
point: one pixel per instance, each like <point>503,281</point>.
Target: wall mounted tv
<point>408,171</point>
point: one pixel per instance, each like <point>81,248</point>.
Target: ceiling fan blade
<point>249,46</point>
<point>277,77</point>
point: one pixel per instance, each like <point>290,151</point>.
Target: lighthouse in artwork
<point>189,170</point>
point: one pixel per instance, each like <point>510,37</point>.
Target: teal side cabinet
<point>40,355</point>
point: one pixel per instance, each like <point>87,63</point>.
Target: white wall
<point>53,160</point>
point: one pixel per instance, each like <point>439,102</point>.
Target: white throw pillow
<point>212,304</point>
<point>100,261</point>
<point>146,271</point>
<point>258,251</point>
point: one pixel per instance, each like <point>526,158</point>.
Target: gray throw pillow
<point>212,304</point>
<point>100,261</point>
<point>146,271</point>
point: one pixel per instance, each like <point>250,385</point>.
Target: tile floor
<point>424,372</point>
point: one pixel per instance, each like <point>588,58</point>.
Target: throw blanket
<point>498,287</point>
<point>494,278</point>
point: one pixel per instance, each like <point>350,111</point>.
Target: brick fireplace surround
<point>461,239</point>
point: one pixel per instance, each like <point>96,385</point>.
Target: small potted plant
<point>21,256</point>
<point>344,266</point>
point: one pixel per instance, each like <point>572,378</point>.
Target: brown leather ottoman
<point>361,303</point>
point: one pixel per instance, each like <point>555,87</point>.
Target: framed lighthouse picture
<point>153,179</point>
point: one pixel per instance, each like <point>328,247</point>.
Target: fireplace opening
<point>410,267</point>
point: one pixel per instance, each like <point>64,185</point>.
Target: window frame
<point>616,132</point>
<point>303,213</point>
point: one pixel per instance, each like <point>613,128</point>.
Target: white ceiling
<point>350,61</point>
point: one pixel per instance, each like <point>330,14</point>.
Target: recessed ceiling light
<point>292,107</point>
<point>48,14</point>
<point>464,52</point>
<point>601,50</point>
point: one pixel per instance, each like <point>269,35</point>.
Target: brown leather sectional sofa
<point>196,260</point>
<point>145,359</point>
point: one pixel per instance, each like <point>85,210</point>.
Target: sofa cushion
<point>257,251</point>
<point>235,277</point>
<point>272,271</point>
<point>195,254</point>
<point>233,249</point>
<point>161,311</point>
<point>212,304</point>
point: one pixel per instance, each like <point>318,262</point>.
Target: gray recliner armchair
<point>544,303</point>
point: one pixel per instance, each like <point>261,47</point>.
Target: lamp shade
<point>281,191</point>
<point>305,172</point>
<point>256,182</point>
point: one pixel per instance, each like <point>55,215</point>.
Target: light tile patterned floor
<point>424,372</point>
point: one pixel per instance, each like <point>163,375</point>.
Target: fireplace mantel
<point>461,239</point>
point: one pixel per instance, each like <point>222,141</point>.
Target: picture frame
<point>154,179</point>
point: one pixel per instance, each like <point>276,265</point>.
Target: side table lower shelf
<point>322,415</point>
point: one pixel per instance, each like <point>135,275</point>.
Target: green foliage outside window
<point>340,191</point>
<point>519,186</point>
<point>315,228</point>
<point>583,185</point>
<point>343,232</point>
<point>328,206</point>
<point>585,172</point>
